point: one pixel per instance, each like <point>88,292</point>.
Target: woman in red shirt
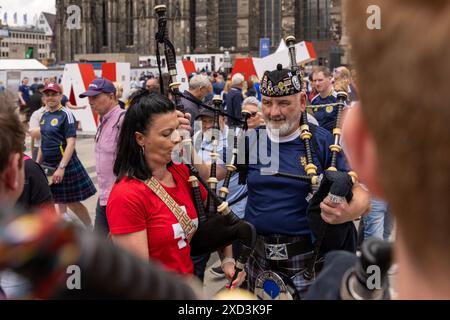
<point>138,219</point>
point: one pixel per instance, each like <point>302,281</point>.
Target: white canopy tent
<point>304,50</point>
<point>13,70</point>
<point>282,46</point>
<point>21,64</point>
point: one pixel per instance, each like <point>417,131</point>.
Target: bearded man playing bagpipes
<point>298,218</point>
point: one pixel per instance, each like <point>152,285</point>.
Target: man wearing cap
<point>277,206</point>
<point>237,196</point>
<point>70,182</point>
<point>203,145</point>
<point>102,98</point>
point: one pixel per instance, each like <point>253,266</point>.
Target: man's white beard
<point>285,129</point>
<point>282,130</point>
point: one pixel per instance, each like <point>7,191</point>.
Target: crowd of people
<point>136,144</point>
<point>145,203</point>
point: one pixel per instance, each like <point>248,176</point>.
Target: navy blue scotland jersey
<point>325,116</point>
<point>277,205</point>
<point>56,127</point>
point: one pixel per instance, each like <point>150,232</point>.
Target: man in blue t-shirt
<point>325,115</point>
<point>24,93</point>
<point>276,206</point>
<point>34,86</point>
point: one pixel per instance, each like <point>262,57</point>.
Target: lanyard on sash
<point>186,223</point>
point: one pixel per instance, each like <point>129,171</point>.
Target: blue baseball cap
<point>98,86</point>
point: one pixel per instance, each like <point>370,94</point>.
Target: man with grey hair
<point>234,99</point>
<point>199,87</point>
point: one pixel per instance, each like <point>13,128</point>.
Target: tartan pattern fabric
<point>186,223</point>
<point>293,268</point>
<point>76,185</point>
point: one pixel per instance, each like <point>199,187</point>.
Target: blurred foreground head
<point>399,139</point>
<point>12,139</point>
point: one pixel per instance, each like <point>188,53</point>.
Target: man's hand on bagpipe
<point>338,210</point>
<point>229,270</point>
<point>185,121</point>
<point>335,212</point>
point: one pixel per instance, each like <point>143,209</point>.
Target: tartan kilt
<point>76,185</point>
<point>293,268</point>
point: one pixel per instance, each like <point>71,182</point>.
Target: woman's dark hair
<point>143,107</point>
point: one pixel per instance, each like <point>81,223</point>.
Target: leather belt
<point>282,248</point>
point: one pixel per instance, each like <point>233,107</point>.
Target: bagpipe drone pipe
<point>218,225</point>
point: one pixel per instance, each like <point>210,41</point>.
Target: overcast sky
<point>29,7</point>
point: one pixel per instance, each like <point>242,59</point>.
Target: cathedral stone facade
<point>195,26</point>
